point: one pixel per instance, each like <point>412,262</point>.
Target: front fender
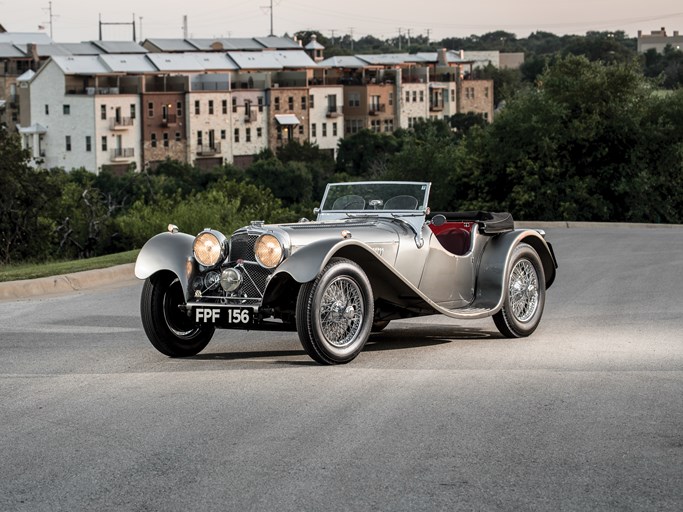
<point>167,251</point>
<point>495,261</point>
<point>306,263</point>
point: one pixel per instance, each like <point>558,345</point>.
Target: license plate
<point>225,317</point>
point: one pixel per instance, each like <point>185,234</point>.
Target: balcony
<point>377,109</point>
<point>118,154</point>
<point>436,106</point>
<point>121,123</point>
<point>333,111</point>
<point>209,149</point>
<point>250,117</point>
<point>169,120</point>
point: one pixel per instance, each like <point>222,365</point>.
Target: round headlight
<point>268,251</point>
<point>208,248</point>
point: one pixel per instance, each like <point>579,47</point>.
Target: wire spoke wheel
<point>334,312</point>
<point>523,290</point>
<point>341,311</point>
<point>524,294</point>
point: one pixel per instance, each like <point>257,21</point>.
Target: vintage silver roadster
<point>375,253</point>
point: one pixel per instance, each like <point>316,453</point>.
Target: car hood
<point>377,230</point>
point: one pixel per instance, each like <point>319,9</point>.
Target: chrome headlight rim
<point>275,261</point>
<point>220,248</point>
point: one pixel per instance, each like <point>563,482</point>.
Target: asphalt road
<point>586,414</point>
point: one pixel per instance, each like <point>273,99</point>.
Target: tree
<point>25,232</point>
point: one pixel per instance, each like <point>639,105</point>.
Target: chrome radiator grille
<point>242,247</point>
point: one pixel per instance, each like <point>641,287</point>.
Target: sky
<point>77,20</point>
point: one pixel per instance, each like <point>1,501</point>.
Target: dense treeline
<point>587,141</point>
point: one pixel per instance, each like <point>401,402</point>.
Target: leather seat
<point>455,240</point>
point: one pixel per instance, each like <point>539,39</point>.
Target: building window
<point>414,96</point>
<point>237,135</point>
<point>311,101</point>
<point>303,103</point>
<point>66,109</point>
<point>407,96</point>
<point>259,132</point>
<point>47,110</point>
<point>210,107</point>
<point>150,109</point>
<point>68,142</point>
<point>179,108</point>
<point>165,137</point>
<point>453,95</point>
<point>260,103</point>
<point>153,140</point>
<point>422,96</point>
<point>200,137</point>
<point>103,112</point>
<point>324,129</point>
<point>234,105</point>
<point>104,142</point>
<point>314,130</point>
<point>391,98</point>
<point>279,133</point>
<point>177,136</point>
<point>224,106</point>
<point>301,129</point>
<point>247,135</point>
<point>486,92</point>
<point>290,102</point>
<point>276,103</point>
<point>334,129</point>
<point>88,143</point>
<point>223,134</point>
<point>197,110</point>
<point>354,99</point>
<point>132,110</point>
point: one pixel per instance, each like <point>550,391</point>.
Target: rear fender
<point>168,251</point>
<point>496,258</point>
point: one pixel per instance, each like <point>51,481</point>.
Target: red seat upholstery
<point>454,239</point>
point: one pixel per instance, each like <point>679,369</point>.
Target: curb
<point>86,280</point>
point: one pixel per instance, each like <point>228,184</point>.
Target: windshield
<point>388,196</point>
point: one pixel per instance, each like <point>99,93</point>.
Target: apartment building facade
<point>210,107</point>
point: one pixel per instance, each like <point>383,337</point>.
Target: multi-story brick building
<point>209,106</point>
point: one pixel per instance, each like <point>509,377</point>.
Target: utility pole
<point>140,18</point>
<point>428,32</point>
<point>270,7</point>
<point>185,26</point>
<point>351,33</point>
<point>51,16</point>
<point>333,31</point>
<point>408,30</point>
<point>116,23</point>
<point>399,38</point>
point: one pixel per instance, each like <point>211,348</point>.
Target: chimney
<point>640,33</point>
<point>32,50</point>
<point>462,54</point>
<point>441,59</point>
<point>664,31</point>
<point>675,33</point>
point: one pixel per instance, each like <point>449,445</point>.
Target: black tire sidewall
<point>518,328</point>
<point>330,353</point>
<point>155,323</point>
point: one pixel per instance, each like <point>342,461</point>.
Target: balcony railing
<point>250,116</point>
<point>377,108</point>
<point>169,120</point>
<point>209,149</point>
<point>121,123</point>
<point>122,153</point>
<point>333,111</point>
<point>436,106</point>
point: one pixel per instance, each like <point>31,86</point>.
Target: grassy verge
<point>53,268</point>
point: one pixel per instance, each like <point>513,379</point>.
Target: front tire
<point>524,294</point>
<point>334,313</point>
<point>169,329</point>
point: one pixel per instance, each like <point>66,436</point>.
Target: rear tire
<point>169,329</point>
<point>334,313</point>
<point>524,294</point>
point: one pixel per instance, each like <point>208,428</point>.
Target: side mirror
<point>439,220</point>
<point>316,211</point>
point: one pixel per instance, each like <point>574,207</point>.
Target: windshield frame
<point>374,210</point>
